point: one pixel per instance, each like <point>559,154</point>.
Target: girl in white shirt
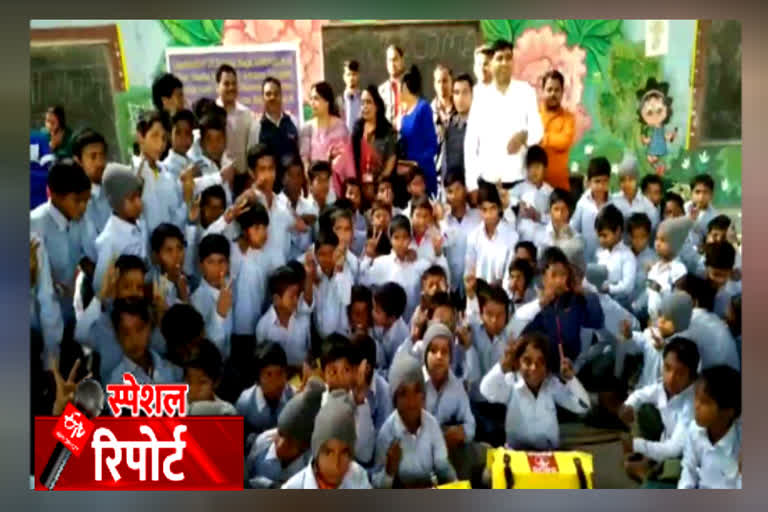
<point>523,381</point>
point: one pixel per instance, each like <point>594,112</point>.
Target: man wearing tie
<point>390,90</point>
<point>349,102</point>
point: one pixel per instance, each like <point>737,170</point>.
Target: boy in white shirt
<point>89,150</point>
<point>292,200</point>
<point>287,322</point>
<point>662,276</point>
<point>558,226</point>
<point>417,189</point>
<point>659,415</point>
<point>211,162</point>
<point>427,239</point>
<point>628,199</point>
<point>389,329</point>
<point>456,225</point>
<point>125,231</point>
<point>165,201</point>
<point>213,298</point>
<point>182,125</point>
<point>203,375</point>
<point>712,453</point>
<point>167,244</point>
<point>531,197</point>
<point>699,209</point>
<point>491,247</point>
<point>720,259</point>
<point>639,233</point>
<point>203,212</point>
<point>590,204</point>
<point>334,285</point>
<point>615,255</point>
<point>353,193</point>
<point>397,266</point>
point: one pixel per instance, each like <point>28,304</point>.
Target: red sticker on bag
<point>542,462</point>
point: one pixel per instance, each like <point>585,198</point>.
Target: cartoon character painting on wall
<point>655,111</point>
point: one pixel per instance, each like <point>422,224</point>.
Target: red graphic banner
<point>161,454</point>
<point>73,430</point>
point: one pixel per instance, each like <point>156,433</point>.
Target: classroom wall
<point>604,62</point>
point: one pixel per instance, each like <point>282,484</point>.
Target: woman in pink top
<point>325,137</point>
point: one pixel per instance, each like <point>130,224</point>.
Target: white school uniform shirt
<point>494,119</point>
<point>250,291</point>
<point>281,223</point>
<point>426,251</point>
<point>676,415</point>
<point>163,372</point>
<point>622,269</point>
<point>210,176</point>
<point>645,261</point>
<point>450,404</point>
<point>332,297</point>
<point>537,197</point>
<point>263,468</point>
<point>175,163</point>
<point>300,242</point>
<point>96,216</point>
<point>295,339</point>
<point>665,275</point>
<point>583,222</point>
<point>364,428</point>
<point>653,358</point>
<point>699,230</point>
<point>355,478</point>
<point>714,339</point>
<point>491,257</point>
<point>531,421</point>
<point>241,133</point>
<point>388,341</point>
<point>456,233</point>
<point>218,328</point>
<point>257,413</point>
<point>161,197</point>
<point>708,466</point>
<point>724,295</point>
<point>119,237</point>
<point>640,204</point>
<point>45,310</point>
<point>388,268</point>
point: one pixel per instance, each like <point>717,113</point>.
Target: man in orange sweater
<point>558,130</point>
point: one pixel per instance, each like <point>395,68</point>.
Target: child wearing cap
<point>278,454</point>
<point>333,449</point>
<point>410,448</point>
<point>674,318</point>
<point>629,200</point>
<point>125,231</point>
<point>670,238</point>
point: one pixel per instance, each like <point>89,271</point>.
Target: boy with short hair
<point>353,192</point>
<point>320,193</point>
<point>280,453</point>
<point>417,189</point>
<point>292,200</point>
<point>89,151</point>
<point>490,248</point>
<point>427,239</point>
<point>558,227</point>
<point>628,200</point>
<point>389,328</point>
<point>660,415</point>
<point>359,319</point>
<point>674,318</point>
<point>410,447</point>
<point>335,280</point>
<point>131,321</point>
<point>203,375</point>
<point>531,197</point>
<point>60,226</point>
<point>662,276</point>
<point>712,453</point>
<point>167,244</point>
<point>202,214</point>
<point>163,199</point>
<point>215,169</point>
<point>700,208</point>
<point>489,323</point>
<point>371,383</point>
<point>182,125</point>
<point>250,266</point>
<point>615,255</point>
<point>349,102</point>
<point>213,298</point>
<point>261,404</point>
<point>333,449</point>
<point>590,204</point>
<point>452,155</point>
<point>639,231</point>
<point>125,231</point>
<point>458,222</point>
<point>653,189</point>
<point>520,283</point>
<point>168,94</point>
<point>720,260</point>
<point>287,321</point>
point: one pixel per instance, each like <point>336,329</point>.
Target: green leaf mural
<point>194,32</point>
<point>595,36</point>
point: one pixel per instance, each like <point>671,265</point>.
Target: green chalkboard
<point>722,109</point>
<point>426,44</point>
<point>77,77</point>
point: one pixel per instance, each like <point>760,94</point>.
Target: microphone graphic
<point>89,401</point>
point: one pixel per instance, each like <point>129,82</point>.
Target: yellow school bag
<point>511,469</point>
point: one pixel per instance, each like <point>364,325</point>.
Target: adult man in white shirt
<point>391,89</point>
<point>503,122</point>
<point>240,120</point>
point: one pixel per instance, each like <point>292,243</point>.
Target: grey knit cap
<point>596,275</point>
<point>676,231</point>
<point>435,330</point>
<point>628,167</point>
<point>677,307</point>
<point>405,369</point>
<point>118,181</point>
<point>335,420</point>
<point>573,248</point>
<point>297,419</point>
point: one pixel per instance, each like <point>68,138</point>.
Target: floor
<point>606,450</point>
